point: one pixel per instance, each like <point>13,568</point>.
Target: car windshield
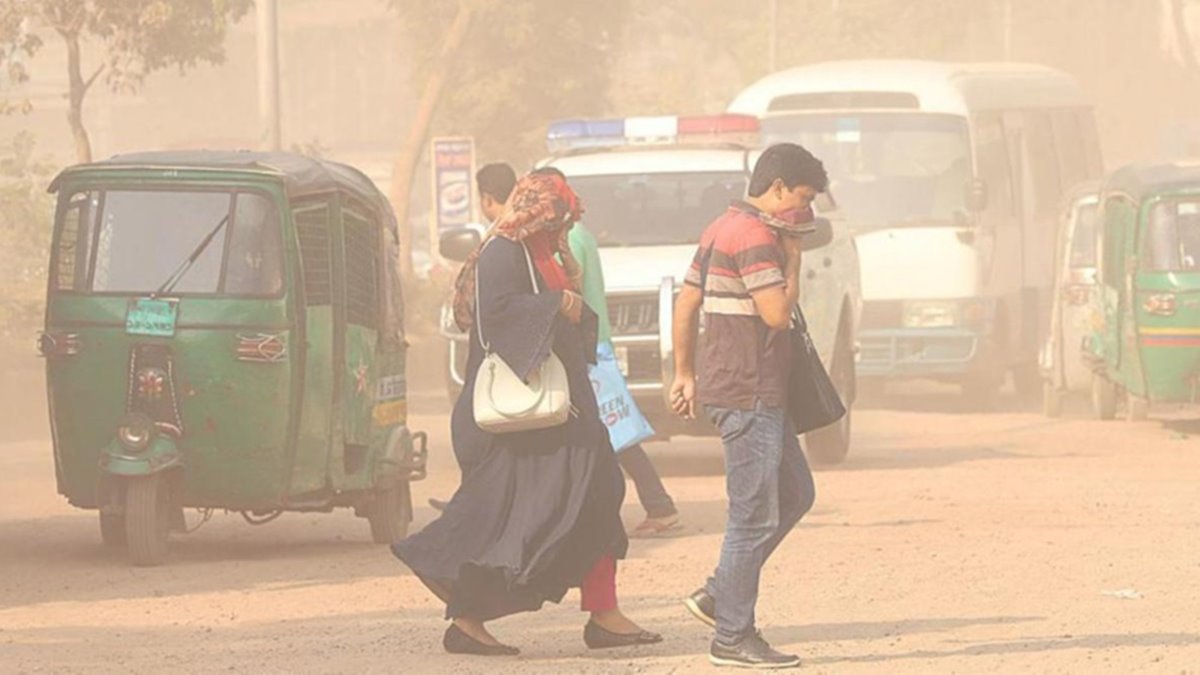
<point>1083,238</point>
<point>650,209</point>
<point>1173,237</point>
<point>133,241</point>
<point>887,169</point>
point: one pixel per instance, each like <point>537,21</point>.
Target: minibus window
<point>886,169</point>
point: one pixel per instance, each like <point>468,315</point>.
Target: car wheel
<point>831,444</point>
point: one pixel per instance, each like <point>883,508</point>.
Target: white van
<point>649,186</point>
<point>954,172</point>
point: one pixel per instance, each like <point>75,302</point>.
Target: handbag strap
<point>487,348</point>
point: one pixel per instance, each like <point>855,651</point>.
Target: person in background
<point>495,183</point>
<point>745,279</point>
<point>661,515</point>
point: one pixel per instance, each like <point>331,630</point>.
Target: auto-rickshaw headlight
<point>1160,304</point>
<point>136,432</point>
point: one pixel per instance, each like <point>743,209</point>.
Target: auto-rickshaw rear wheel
<point>147,519</point>
<point>112,530</point>
<point>390,512</point>
<point>1104,397</point>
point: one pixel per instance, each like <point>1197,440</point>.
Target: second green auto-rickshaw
<point>225,331</point>
<point>1146,350</point>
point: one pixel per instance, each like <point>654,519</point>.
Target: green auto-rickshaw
<point>224,330</point>
<point>1146,349</point>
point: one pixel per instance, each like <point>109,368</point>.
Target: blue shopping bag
<point>626,424</point>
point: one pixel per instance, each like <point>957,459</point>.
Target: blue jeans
<point>770,488</point>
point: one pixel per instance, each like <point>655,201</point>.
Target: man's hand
<point>792,249</point>
<point>683,396</point>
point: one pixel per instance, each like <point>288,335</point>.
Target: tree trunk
<point>405,167</point>
<point>1183,38</point>
<point>78,89</point>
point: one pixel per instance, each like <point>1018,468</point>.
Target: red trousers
<point>598,592</point>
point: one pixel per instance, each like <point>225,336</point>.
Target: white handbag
<point>506,404</point>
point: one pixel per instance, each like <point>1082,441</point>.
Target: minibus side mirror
<point>820,237</point>
<point>458,243</point>
<point>977,195</point>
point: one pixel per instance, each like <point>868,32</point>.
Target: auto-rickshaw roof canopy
<point>1144,180</point>
<point>301,175</point>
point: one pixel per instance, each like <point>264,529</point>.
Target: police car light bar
<point>578,134</point>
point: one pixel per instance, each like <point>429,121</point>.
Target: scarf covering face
<point>539,215</point>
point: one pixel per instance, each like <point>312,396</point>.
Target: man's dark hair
<point>790,163</point>
<point>496,180</point>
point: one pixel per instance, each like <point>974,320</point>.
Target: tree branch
<point>92,80</point>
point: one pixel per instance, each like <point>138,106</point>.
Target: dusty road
<point>949,542</point>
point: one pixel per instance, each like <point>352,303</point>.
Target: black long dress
<point>536,509</point>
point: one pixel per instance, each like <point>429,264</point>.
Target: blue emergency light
<point>565,135</point>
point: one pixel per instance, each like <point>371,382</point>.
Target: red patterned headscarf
<point>539,214</point>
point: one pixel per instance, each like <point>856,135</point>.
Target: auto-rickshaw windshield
<point>1172,242</point>
<point>132,241</point>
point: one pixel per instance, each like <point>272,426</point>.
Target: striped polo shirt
<point>742,360</point>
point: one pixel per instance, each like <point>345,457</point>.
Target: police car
<point>650,185</point>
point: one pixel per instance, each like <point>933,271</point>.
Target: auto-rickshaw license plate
<point>154,318</point>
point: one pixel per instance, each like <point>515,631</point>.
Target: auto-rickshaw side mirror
<point>820,237</point>
<point>976,197</point>
<point>458,243</point>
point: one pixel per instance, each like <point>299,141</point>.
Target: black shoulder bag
<point>813,401</point>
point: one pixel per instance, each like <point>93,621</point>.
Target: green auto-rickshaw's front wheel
<point>147,519</point>
<point>112,530</point>
<point>390,512</point>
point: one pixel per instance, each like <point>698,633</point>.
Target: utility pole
<point>1008,30</point>
<point>772,36</point>
<point>268,73</point>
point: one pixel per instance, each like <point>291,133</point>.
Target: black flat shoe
<point>702,606</point>
<point>457,642</point>
<point>596,637</point>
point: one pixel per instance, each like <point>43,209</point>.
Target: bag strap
<point>487,348</point>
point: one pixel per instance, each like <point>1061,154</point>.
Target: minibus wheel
<point>1051,400</point>
<point>147,519</point>
<point>390,512</point>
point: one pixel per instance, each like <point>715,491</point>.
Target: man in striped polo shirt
<point>745,278</point>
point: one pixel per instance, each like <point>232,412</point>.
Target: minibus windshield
<point>886,169</point>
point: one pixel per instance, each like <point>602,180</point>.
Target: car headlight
<point>932,314</point>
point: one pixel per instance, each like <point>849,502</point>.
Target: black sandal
<point>456,641</point>
<point>596,636</point>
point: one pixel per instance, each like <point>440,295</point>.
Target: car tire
<point>147,519</point>
<point>1051,400</point>
<point>1104,398</point>
<point>831,444</point>
<point>390,512</point>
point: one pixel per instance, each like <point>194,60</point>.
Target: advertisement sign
<point>453,162</point>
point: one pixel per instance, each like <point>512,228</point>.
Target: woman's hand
<point>571,306</point>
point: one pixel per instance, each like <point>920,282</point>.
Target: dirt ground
<point>948,542</point>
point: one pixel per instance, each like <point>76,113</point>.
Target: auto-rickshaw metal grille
<point>312,229</point>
